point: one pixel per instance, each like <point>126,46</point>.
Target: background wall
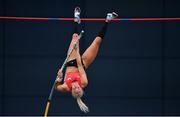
<point>135,73</point>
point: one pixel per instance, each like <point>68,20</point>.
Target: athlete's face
<point>76,89</point>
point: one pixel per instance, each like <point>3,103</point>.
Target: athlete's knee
<point>84,60</point>
<point>97,41</point>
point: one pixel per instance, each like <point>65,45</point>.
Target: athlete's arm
<point>59,86</point>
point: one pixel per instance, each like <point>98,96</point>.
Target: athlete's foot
<point>111,16</point>
<point>77,12</point>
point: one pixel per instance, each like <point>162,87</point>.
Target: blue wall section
<point>172,39</point>
<point>33,77</point>
<point>26,36</point>
<point>135,73</point>
<point>1,76</point>
<point>172,78</point>
<point>122,44</point>
<point>1,40</point>
<point>109,106</point>
<point>1,57</point>
<point>1,106</point>
<point>172,107</point>
<point>125,78</point>
<point>22,105</point>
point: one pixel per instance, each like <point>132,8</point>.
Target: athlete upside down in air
<point>75,76</point>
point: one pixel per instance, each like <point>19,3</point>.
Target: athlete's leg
<point>91,52</point>
<point>75,32</point>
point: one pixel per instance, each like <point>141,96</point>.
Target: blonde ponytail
<point>82,105</point>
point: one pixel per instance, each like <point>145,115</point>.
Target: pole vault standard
<point>90,19</point>
<point>62,67</point>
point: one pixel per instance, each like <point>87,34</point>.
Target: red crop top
<point>71,77</point>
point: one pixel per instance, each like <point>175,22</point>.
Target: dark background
<point>135,73</point>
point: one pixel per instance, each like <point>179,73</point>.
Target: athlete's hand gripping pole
<point>62,67</point>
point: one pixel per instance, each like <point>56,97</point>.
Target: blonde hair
<point>81,104</point>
